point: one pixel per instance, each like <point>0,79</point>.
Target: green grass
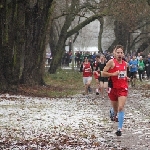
<point>66,82</point>
<point>63,83</point>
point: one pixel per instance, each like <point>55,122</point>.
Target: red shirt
<point>95,74</point>
<point>87,70</point>
<point>119,81</point>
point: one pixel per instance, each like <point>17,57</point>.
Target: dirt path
<point>75,123</point>
<point>136,131</point>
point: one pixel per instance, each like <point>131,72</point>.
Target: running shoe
<point>89,89</point>
<point>112,115</point>
<point>118,133</point>
<point>115,118</point>
<point>97,93</point>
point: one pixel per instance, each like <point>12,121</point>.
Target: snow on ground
<point>74,123</point>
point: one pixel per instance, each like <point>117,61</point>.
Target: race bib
<point>122,75</point>
<point>133,66</point>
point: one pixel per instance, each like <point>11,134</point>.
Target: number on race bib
<point>122,75</point>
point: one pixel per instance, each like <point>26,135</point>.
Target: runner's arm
<point>105,73</point>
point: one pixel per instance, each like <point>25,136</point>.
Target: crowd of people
<point>138,66</point>
<point>114,71</point>
<point>78,58</point>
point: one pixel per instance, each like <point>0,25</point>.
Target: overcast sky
<point>88,37</point>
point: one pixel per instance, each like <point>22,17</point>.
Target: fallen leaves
<point>78,122</point>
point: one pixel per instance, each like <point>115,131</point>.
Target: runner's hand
<point>115,73</point>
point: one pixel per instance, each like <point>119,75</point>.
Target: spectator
<point>66,58</point>
<point>141,68</point>
<point>138,56</point>
<point>133,64</point>
<point>147,66</point>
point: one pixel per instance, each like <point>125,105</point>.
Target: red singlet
<point>119,81</point>
<point>87,70</point>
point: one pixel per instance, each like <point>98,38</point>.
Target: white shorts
<point>86,80</point>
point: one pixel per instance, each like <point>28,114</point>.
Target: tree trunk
<point>23,26</point>
<point>121,34</point>
<point>53,41</point>
<point>36,21</point>
<point>59,51</point>
<point>11,41</point>
<point>101,20</point>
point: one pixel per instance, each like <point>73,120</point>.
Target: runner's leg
<point>102,88</point>
<point>115,107</point>
<point>121,103</point>
<point>88,84</point>
<point>105,87</point>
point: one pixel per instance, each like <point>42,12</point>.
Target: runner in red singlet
<point>116,69</point>
<point>87,70</point>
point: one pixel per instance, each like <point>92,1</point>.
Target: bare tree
<point>126,16</point>
<point>70,27</point>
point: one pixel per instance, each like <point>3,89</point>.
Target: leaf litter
<point>75,123</point>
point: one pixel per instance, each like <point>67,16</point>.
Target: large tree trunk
<point>121,34</point>
<point>11,41</point>
<point>59,51</point>
<point>53,40</point>
<point>37,21</point>
<point>23,26</point>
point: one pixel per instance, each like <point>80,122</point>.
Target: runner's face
<point>102,58</point>
<point>97,59</point>
<point>134,57</point>
<point>86,59</point>
<point>119,54</point>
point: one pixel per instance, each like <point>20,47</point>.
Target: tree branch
<point>84,23</point>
